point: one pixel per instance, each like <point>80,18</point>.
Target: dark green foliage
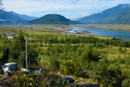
<point>116,75</point>
<point>67,67</point>
<point>120,50</point>
<point>54,64</point>
<point>19,43</point>
<point>65,39</point>
<point>5,54</point>
<point>98,71</point>
<point>126,83</point>
<point>71,59</point>
<point>54,81</point>
<point>32,56</point>
<point>99,45</point>
<point>127,60</point>
<point>89,55</point>
<point>1,71</point>
<point>52,19</point>
<point>15,54</point>
<point>106,73</point>
<point>22,61</point>
<point>23,80</point>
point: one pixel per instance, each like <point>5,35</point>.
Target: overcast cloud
<point>69,8</point>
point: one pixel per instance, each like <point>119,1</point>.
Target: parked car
<point>9,67</point>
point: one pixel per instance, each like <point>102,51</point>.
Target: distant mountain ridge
<point>121,18</point>
<point>12,18</point>
<point>106,16</point>
<point>25,17</point>
<point>52,19</point>
<point>7,18</point>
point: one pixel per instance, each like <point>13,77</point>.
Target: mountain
<point>105,16</point>
<point>25,17</point>
<point>9,19</point>
<point>52,19</point>
<point>121,18</point>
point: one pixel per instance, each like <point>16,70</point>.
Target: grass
<point>112,52</point>
<point>14,29</point>
<point>102,37</point>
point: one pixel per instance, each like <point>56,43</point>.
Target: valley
<point>62,52</point>
<point>70,43</point>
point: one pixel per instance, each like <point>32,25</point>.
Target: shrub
<point>126,83</point>
<point>1,71</point>
<point>23,80</point>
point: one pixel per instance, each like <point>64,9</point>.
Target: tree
<point>19,43</point>
<point>22,61</point>
<point>5,54</point>
<point>15,54</point>
<point>67,67</point>
<point>54,63</point>
<point>32,56</point>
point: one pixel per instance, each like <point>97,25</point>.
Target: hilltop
<point>52,19</point>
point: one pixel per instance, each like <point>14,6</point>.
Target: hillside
<point>52,19</point>
<point>105,16</point>
<point>25,17</point>
<point>122,18</point>
<point>10,19</point>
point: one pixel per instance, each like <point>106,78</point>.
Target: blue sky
<point>72,9</point>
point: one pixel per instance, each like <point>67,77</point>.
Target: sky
<point>72,9</point>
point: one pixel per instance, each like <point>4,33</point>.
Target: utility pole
<point>26,52</point>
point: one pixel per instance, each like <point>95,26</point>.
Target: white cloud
<point>75,8</point>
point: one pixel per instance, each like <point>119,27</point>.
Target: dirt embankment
<point>82,32</point>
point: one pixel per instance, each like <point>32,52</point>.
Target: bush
<point>126,83</point>
<point>1,71</point>
<point>23,80</point>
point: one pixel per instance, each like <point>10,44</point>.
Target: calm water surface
<point>103,32</point>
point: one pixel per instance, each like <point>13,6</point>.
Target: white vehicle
<point>9,67</point>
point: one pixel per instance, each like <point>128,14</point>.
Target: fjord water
<point>103,32</point>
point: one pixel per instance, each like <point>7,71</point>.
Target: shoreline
<point>108,27</point>
<point>78,32</point>
<point>82,32</point>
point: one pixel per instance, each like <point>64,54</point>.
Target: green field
<point>93,58</point>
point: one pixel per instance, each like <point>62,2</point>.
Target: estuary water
<point>104,32</point>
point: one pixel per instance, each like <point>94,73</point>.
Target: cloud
<point>70,8</point>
